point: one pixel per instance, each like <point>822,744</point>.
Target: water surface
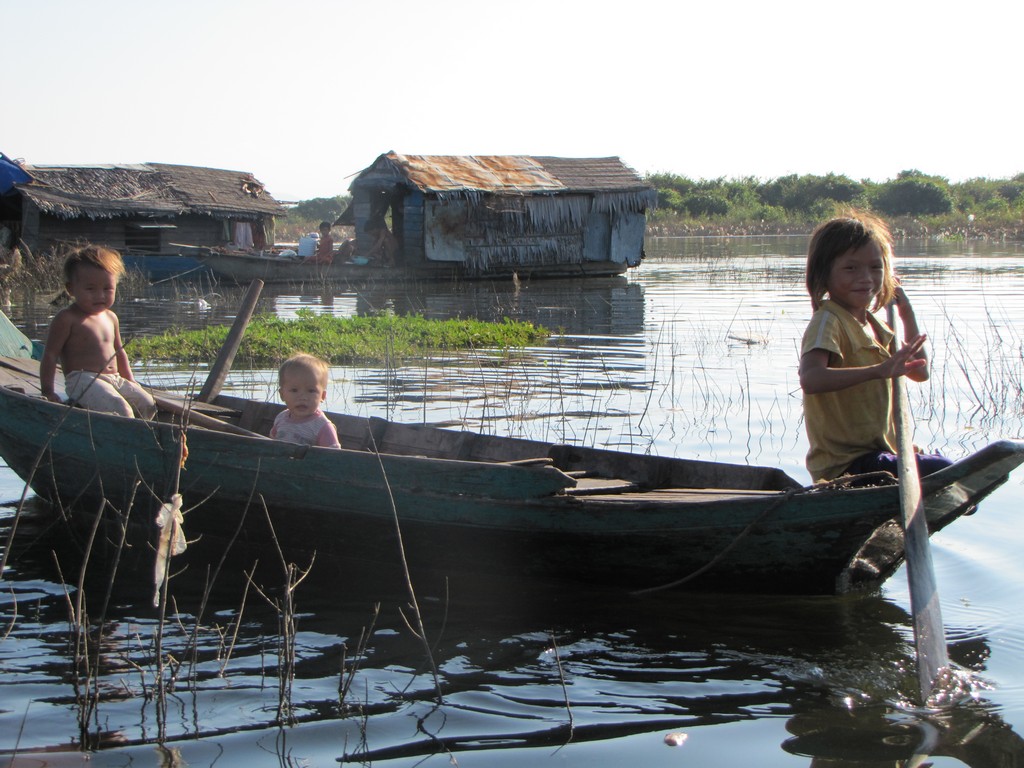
<point>693,354</point>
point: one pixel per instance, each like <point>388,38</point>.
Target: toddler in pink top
<point>302,382</point>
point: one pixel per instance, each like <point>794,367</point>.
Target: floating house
<point>147,208</point>
<point>501,214</point>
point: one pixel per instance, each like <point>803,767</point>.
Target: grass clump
<point>379,338</point>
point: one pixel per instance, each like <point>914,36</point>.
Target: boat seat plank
<point>405,439</point>
<point>685,495</point>
<point>493,448</point>
<point>259,417</point>
<point>589,486</point>
<point>353,431</point>
<point>540,461</point>
<point>18,383</point>
<point>210,409</point>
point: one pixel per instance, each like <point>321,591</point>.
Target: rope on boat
<point>846,481</point>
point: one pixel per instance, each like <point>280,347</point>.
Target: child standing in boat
<point>85,338</point>
<point>847,359</point>
<point>302,381</point>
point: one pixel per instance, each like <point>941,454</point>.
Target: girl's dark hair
<point>842,235</point>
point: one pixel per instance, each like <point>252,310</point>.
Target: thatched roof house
<point>503,214</point>
<point>147,207</point>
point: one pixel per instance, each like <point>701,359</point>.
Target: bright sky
<point>306,93</point>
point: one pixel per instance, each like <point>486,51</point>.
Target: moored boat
<point>469,503</point>
<point>166,266</point>
<point>243,268</point>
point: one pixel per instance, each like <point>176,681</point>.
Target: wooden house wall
<point>52,231</point>
<point>487,235</point>
<point>484,232</point>
<point>597,237</point>
<point>412,232</point>
<point>361,215</point>
<point>42,231</point>
<point>30,224</point>
<point>194,229</point>
<point>627,238</point>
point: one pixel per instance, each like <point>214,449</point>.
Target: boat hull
<point>244,268</point>
<point>167,266</point>
<point>670,523</point>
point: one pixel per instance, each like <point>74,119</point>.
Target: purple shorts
<point>883,461</point>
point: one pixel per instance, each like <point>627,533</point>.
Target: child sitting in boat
<point>302,381</point>
<point>847,357</point>
<point>324,247</point>
<point>85,338</point>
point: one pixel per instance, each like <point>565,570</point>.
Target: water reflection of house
<point>495,215</point>
<point>611,306</point>
<point>141,208</point>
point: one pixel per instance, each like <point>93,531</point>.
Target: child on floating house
<point>85,338</point>
<point>847,358</point>
<point>302,381</point>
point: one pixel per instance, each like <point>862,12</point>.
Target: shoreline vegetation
<point>914,204</point>
<point>384,338</point>
<point>902,227</point>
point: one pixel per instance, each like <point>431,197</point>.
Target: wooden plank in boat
<point>592,486</point>
<point>683,495</point>
<point>406,439</point>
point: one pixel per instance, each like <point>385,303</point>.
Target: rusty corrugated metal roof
<point>491,173</point>
<point>512,174</point>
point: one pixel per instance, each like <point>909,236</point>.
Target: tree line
<point>795,199</point>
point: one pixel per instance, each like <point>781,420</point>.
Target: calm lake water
<point>693,354</point>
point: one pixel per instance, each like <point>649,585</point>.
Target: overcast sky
<point>306,93</point>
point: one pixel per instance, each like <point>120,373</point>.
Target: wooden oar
<point>929,634</point>
<point>191,416</point>
<point>221,366</point>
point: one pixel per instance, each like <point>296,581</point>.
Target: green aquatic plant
<point>269,339</point>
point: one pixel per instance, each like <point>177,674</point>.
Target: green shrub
<point>912,196</point>
<point>705,204</point>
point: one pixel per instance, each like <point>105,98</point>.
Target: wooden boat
<point>167,266</point>
<point>470,503</point>
<point>243,268</point>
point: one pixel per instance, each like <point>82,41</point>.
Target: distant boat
<point>473,505</point>
<point>243,268</point>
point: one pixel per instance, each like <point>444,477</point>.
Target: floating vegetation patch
<point>340,340</point>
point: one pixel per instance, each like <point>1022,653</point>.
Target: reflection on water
<point>532,671</point>
<point>603,306</point>
<point>694,355</point>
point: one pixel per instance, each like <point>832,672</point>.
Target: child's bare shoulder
<point>64,318</point>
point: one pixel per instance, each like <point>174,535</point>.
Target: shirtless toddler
<point>85,339</point>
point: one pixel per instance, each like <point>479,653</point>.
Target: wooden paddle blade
<point>929,633</point>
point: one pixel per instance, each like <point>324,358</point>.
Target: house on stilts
<point>498,215</point>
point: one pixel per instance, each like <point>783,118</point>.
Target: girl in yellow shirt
<point>847,358</point>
